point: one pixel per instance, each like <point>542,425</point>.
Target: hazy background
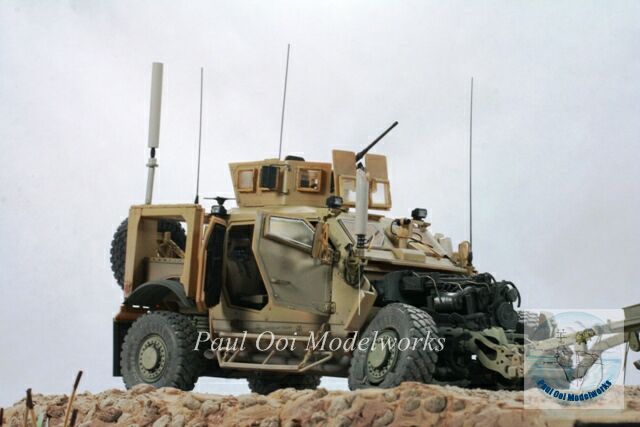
<point>557,107</point>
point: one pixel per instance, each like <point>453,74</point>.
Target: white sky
<point>556,132</point>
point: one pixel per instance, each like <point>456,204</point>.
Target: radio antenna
<point>154,127</point>
<point>284,100</point>
<point>199,138</point>
<point>471,167</point>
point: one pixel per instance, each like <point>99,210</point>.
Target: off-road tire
<point>182,365</point>
<point>413,364</point>
<point>119,244</point>
<point>267,383</point>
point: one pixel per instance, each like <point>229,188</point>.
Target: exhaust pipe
<point>154,126</point>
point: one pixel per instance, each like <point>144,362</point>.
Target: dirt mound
<point>411,404</point>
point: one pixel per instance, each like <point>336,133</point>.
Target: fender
<point>152,293</point>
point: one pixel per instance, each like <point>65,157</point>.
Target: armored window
<point>293,231</point>
<point>246,181</point>
<point>269,178</point>
<point>380,197</point>
<point>310,180</point>
<point>348,190</point>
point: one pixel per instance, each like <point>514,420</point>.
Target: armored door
<point>282,245</point>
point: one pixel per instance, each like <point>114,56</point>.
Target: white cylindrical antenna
<point>362,207</point>
<point>154,126</point>
<point>156,103</point>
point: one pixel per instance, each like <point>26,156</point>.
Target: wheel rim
<point>382,356</point>
<point>152,358</point>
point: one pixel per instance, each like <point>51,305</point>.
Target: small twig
<point>73,395</point>
<point>32,414</point>
<point>25,420</point>
<point>74,417</point>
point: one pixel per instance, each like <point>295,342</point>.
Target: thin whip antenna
<point>471,168</point>
<point>284,100</point>
<point>199,138</point>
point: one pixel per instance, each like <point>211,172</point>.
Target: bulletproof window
<point>246,181</point>
<point>348,189</point>
<point>309,180</point>
<point>269,177</point>
<point>380,196</point>
<point>293,231</point>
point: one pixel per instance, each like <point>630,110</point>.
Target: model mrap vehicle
<point>300,259</point>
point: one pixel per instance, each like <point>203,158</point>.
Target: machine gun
<point>361,154</point>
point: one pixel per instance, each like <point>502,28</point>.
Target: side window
<point>295,232</point>
<point>348,189</point>
<point>246,182</point>
<point>380,197</point>
<point>310,180</point>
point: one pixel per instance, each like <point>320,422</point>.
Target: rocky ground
<point>411,404</point>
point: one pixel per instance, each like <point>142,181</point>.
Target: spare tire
<point>119,244</point>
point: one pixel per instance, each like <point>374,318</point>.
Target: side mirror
<point>321,249</point>
<point>269,177</point>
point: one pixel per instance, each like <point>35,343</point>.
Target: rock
<point>141,389</point>
<point>435,404</point>
<point>55,411</point>
<point>109,415</point>
<point>390,396</point>
<point>384,420</point>
<point>170,390</point>
<point>270,422</point>
<point>408,404</point>
<point>318,417</point>
<point>178,421</point>
<point>342,421</point>
<point>163,421</point>
<point>338,405</point>
<point>209,407</point>
<point>107,401</point>
<point>126,405</point>
<point>191,402</point>
<point>458,405</point>
<point>197,422</point>
<point>247,400</point>
<point>411,404</point>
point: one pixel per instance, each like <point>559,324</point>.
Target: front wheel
<point>400,344</point>
<point>159,350</point>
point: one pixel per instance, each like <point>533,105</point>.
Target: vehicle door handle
<point>280,282</point>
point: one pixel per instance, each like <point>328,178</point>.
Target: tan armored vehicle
<point>305,277</point>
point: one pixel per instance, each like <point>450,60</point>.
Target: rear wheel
<point>265,383</point>
<point>158,350</point>
<point>402,345</point>
<point>119,244</point>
